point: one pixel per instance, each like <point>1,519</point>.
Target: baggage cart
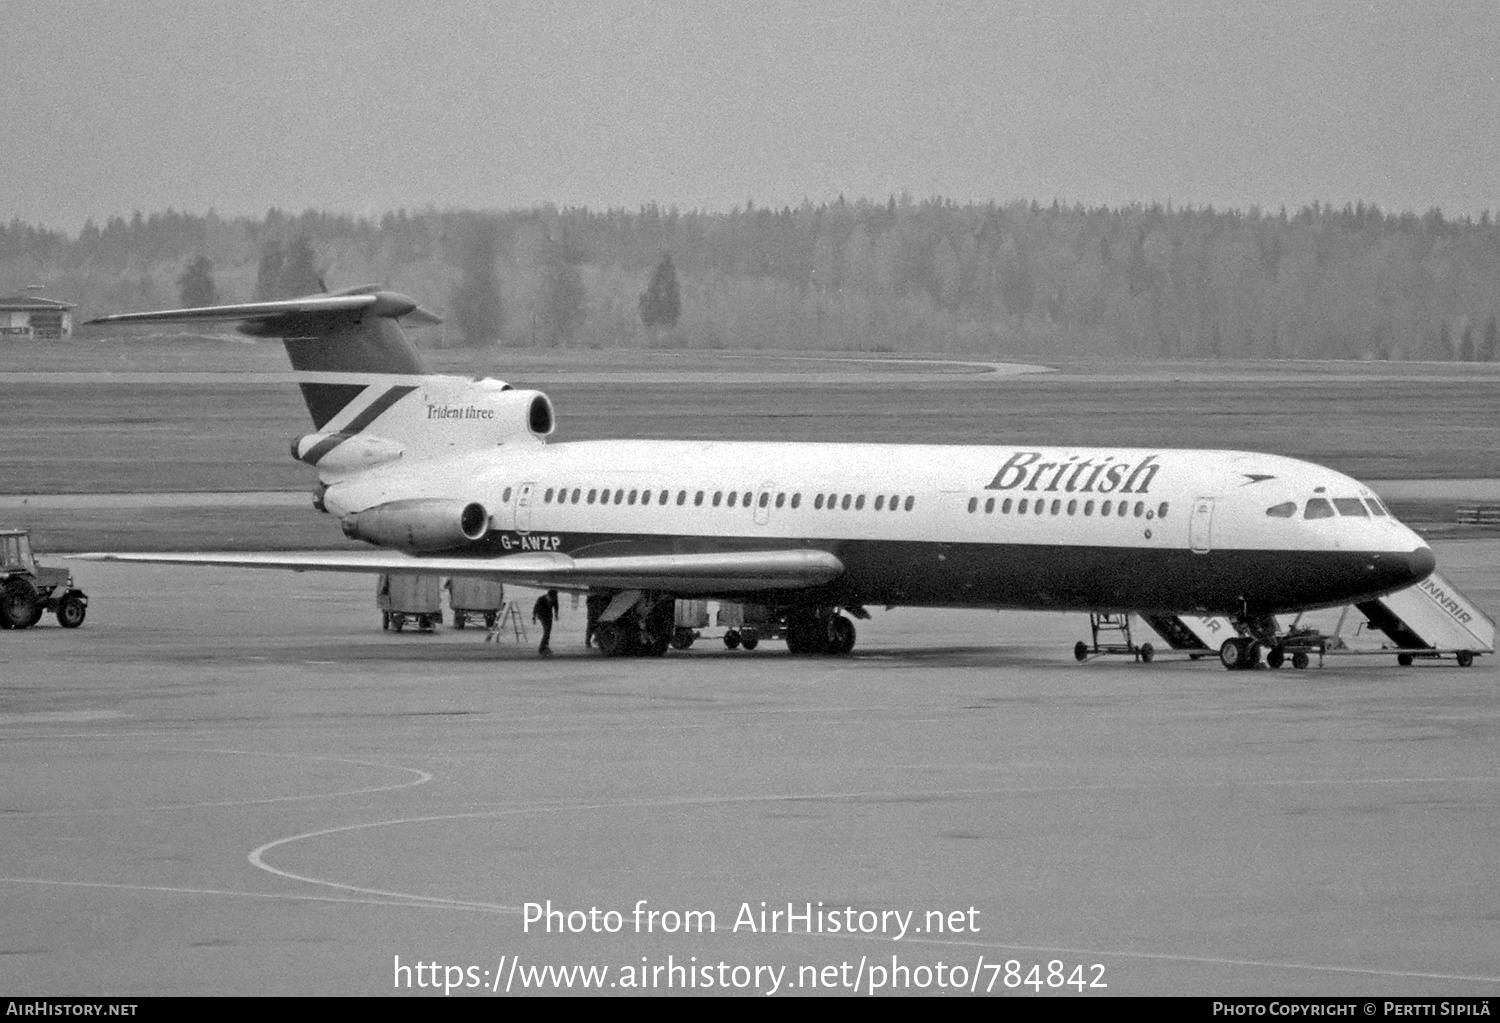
<point>475,599</point>
<point>409,599</point>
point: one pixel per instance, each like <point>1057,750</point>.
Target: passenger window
<point>989,506</point>
<point>1140,508</point>
<point>1123,509</point>
<point>909,502</point>
<point>1375,506</point>
<point>698,499</point>
<point>718,496</point>
<point>620,496</point>
<point>1072,507</point>
<point>845,504</point>
<point>1318,508</point>
<point>593,493</point>
<point>681,497</point>
<point>796,500</point>
<point>859,503</point>
<point>746,499</point>
<point>1088,507</point>
<point>765,499</point>
<point>1161,510</point>
<point>1005,508</point>
<point>973,504</point>
<point>1040,506</point>
<point>547,497</point>
<point>733,496</point>
<point>879,502</point>
<point>631,498</point>
<point>895,500</point>
<point>818,502</point>
<point>1056,505</point>
<point>1284,510</point>
<point>1351,506</point>
<point>505,496</point>
<point>576,492</point>
<point>780,500</point>
<point>663,498</point>
<point>1106,507</point>
<point>1021,508</point>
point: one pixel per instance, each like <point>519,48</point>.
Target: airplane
<point>454,475</point>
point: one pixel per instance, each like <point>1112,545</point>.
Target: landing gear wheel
<point>614,639</point>
<point>1147,653</point>
<point>749,640</point>
<point>1465,658</point>
<point>655,644</point>
<point>460,619</point>
<point>71,611</point>
<point>1404,660</point>
<point>1231,654</point>
<point>683,638</point>
<point>1275,657</point>
<point>805,635</point>
<point>732,639</point>
<point>1299,660</point>
<point>489,619</point>
<point>840,635</point>
<point>1252,654</point>
<point>1080,651</point>
<point>398,622</point>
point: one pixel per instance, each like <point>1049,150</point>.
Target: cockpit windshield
<point>1326,508</point>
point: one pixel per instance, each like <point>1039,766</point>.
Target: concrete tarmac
<point>234,782</point>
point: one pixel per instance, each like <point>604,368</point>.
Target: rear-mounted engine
<point>419,526</point>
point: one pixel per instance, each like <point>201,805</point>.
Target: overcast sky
<point>363,107</point>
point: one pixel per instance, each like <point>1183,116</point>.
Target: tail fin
<point>356,330</point>
<point>370,398</point>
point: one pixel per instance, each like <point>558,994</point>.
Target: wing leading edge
<point>739,571</point>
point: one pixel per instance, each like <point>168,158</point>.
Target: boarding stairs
<point>1430,620</point>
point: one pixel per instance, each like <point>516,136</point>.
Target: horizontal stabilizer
<point>380,303</point>
<point>357,330</point>
<point>729,572</point>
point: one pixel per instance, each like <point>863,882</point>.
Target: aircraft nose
<point>1420,563</point>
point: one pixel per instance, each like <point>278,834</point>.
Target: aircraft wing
<point>737,571</point>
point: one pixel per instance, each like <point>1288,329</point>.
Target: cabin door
<point>523,507</point>
<point>1200,529</point>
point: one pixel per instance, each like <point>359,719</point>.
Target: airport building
<point>35,318</point>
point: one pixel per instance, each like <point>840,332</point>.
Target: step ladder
<point>509,615</point>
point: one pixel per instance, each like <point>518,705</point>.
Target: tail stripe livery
<point>360,419</point>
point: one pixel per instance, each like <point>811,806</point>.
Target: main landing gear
<point>646,630</point>
<point>810,633</point>
<point>649,629</point>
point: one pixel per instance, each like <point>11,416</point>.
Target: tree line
<point>1004,280</point>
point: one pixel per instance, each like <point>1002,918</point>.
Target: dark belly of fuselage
<point>1032,576</point>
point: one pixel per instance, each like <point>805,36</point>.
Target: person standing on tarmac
<point>544,610</point>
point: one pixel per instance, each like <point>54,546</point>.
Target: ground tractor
<point>27,590</point>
